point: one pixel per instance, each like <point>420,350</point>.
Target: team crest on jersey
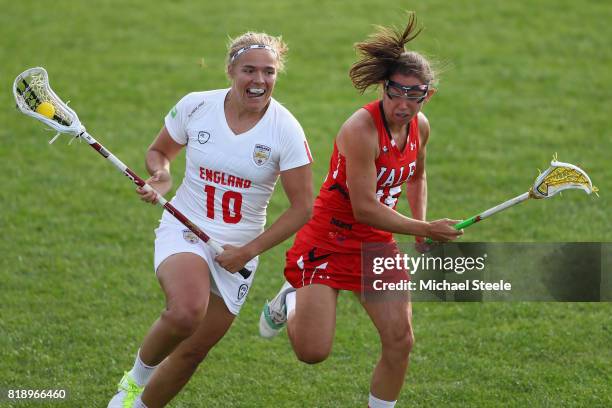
<point>242,290</point>
<point>261,154</point>
<point>203,137</point>
<point>190,237</point>
<point>412,146</point>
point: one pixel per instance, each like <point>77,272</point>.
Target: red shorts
<point>307,264</point>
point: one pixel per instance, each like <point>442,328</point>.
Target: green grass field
<point>521,80</point>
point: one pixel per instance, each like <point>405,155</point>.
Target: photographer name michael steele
<point>438,285</point>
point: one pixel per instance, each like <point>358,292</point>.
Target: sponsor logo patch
<point>190,237</point>
<point>203,137</point>
<point>261,154</point>
<point>341,224</point>
<point>242,291</point>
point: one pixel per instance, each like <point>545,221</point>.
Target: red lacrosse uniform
<point>327,250</point>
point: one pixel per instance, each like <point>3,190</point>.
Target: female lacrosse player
<point>378,149</point>
<point>237,142</point>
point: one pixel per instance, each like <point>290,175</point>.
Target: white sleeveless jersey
<point>229,178</point>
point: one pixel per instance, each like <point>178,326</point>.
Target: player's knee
<point>312,355</point>
<point>308,349</point>
<point>184,319</point>
<point>398,343</point>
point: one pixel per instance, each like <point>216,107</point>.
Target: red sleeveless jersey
<point>333,226</point>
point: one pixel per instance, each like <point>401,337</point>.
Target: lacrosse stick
<point>35,98</point>
<point>558,177</point>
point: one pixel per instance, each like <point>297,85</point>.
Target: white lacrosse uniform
<point>228,181</point>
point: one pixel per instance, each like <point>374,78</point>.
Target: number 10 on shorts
<point>231,205</point>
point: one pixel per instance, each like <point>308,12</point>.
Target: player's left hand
<point>233,258</point>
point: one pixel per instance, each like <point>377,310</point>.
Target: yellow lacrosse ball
<point>46,109</point>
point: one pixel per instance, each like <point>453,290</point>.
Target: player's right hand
<point>160,181</point>
<point>443,230</point>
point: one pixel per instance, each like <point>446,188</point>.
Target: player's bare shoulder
<point>423,129</point>
<point>358,129</point>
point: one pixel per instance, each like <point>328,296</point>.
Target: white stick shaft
<point>119,165</point>
<point>161,200</point>
<point>506,204</point>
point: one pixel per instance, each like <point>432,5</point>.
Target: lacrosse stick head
<point>558,177</point>
<point>31,88</point>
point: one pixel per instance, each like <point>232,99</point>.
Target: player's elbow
<point>360,215</point>
<point>302,212</point>
<point>305,214</point>
<point>308,213</point>
<point>363,213</point>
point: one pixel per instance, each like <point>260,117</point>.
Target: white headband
<point>251,47</point>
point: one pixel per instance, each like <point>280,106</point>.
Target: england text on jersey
<point>224,179</point>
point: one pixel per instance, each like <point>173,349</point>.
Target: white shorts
<point>173,238</point>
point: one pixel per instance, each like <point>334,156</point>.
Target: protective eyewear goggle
<point>416,93</point>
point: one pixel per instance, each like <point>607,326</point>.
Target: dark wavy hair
<point>384,54</point>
